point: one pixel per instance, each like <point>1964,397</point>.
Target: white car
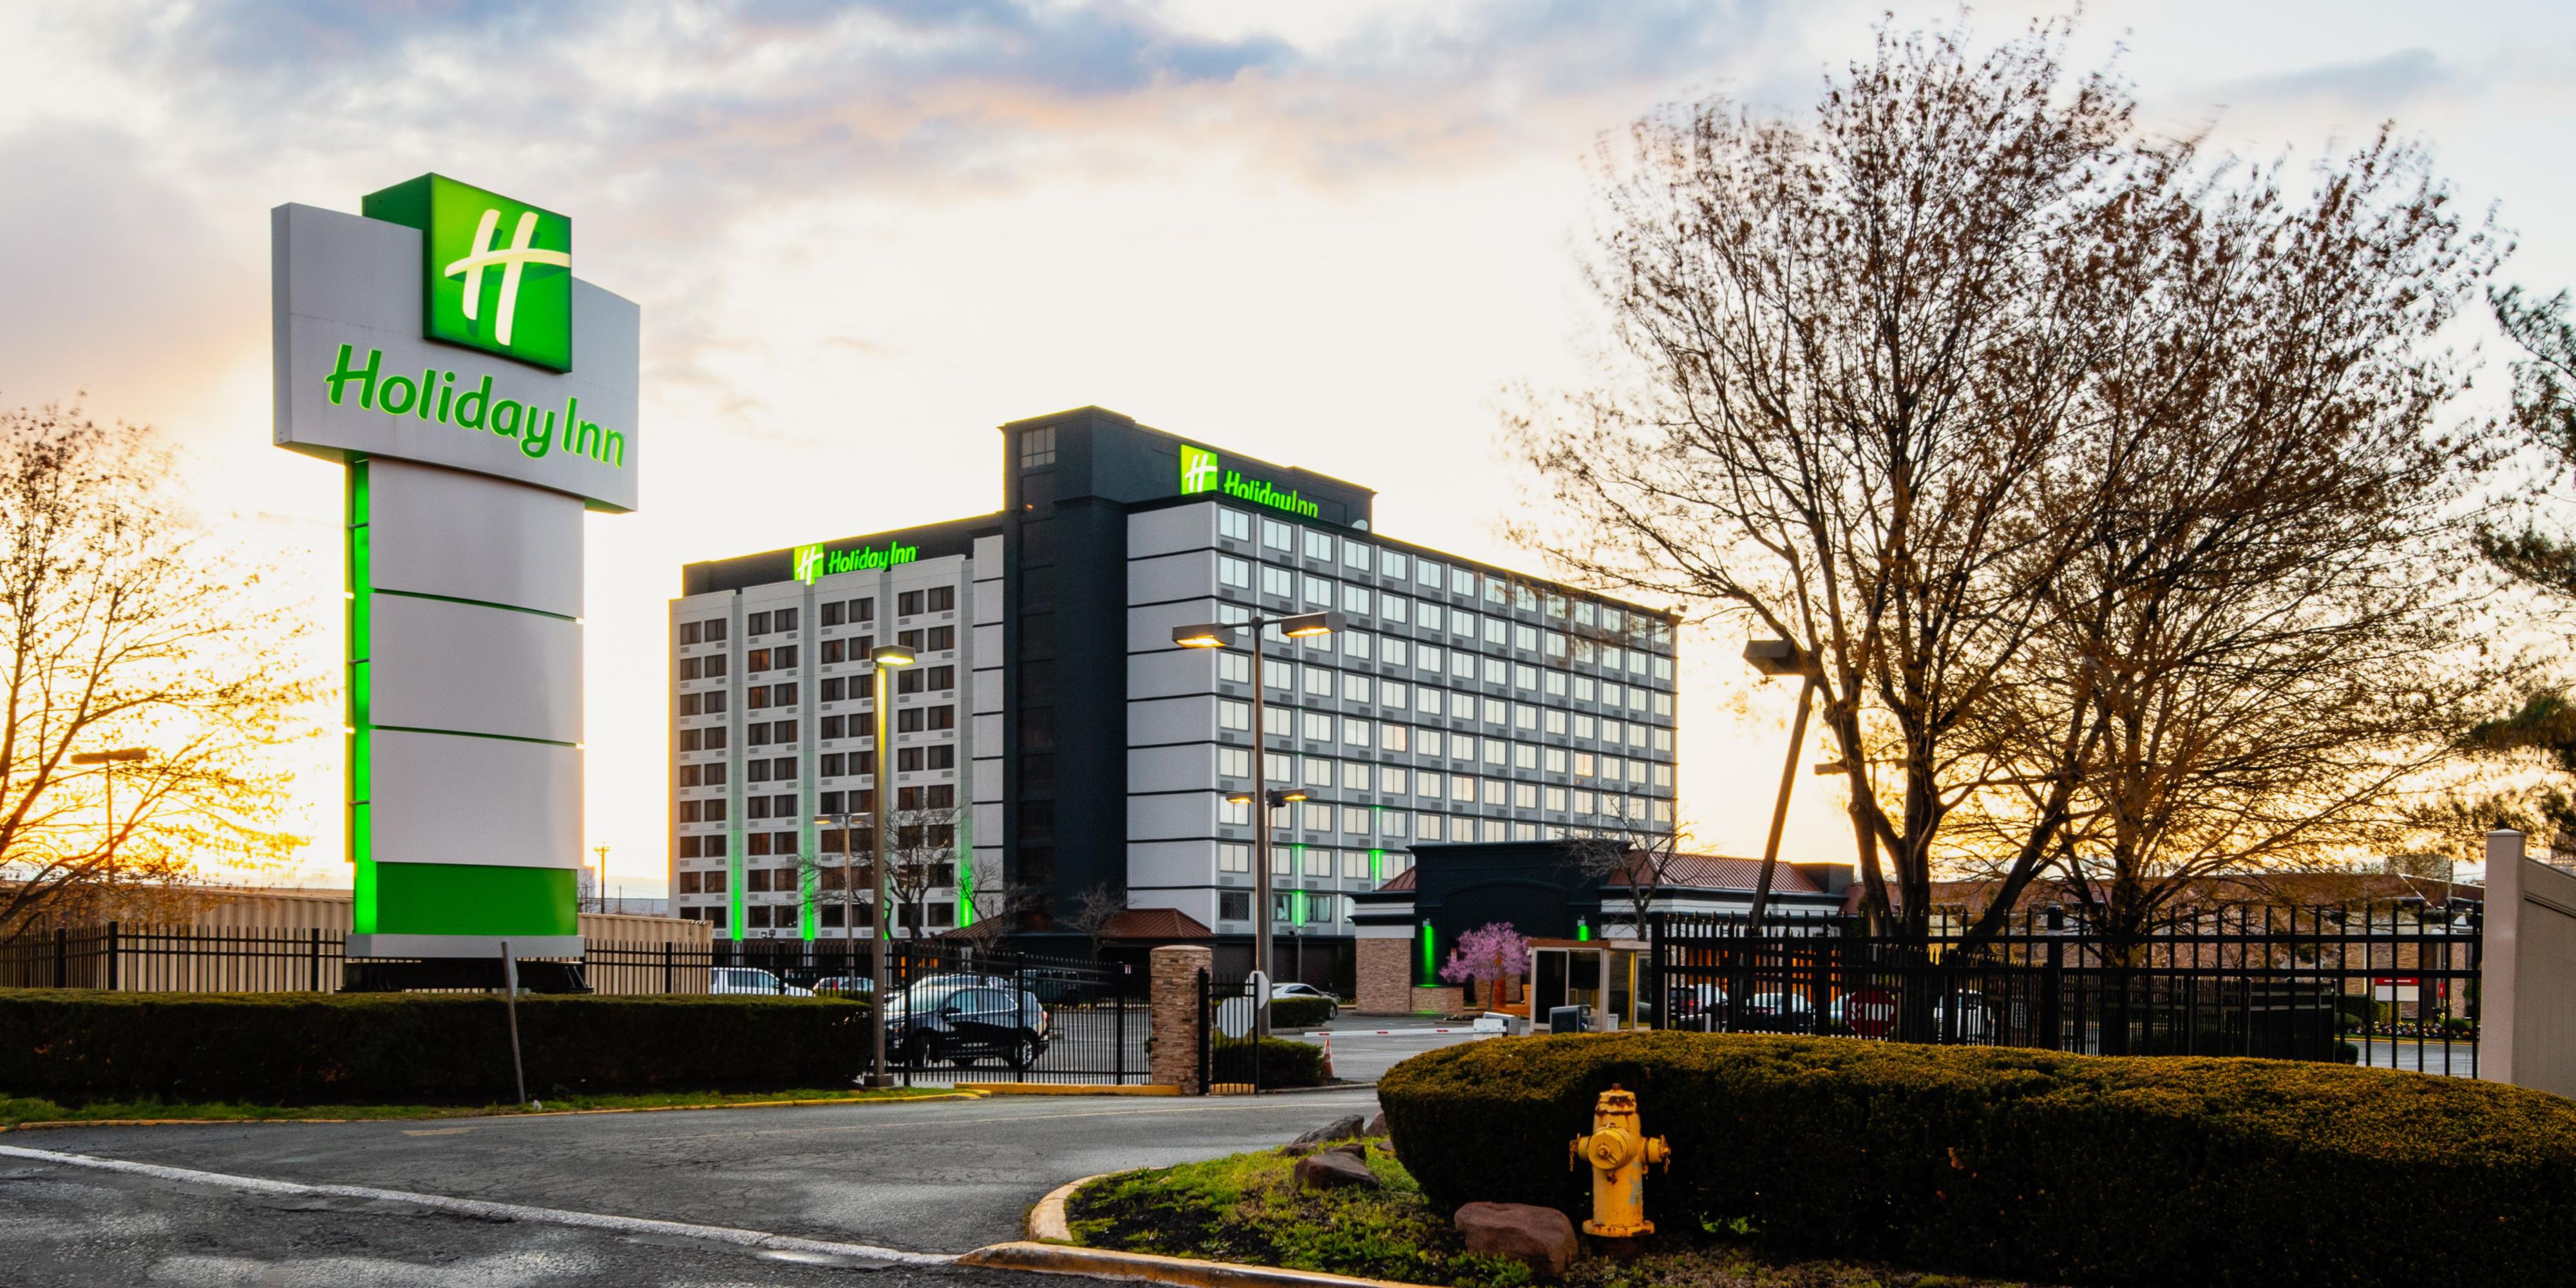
<point>1282,992</point>
<point>751,979</point>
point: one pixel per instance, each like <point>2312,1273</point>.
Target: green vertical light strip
<point>358,594</point>
<point>1430,955</point>
<point>809,881</point>
<point>733,874</point>
<point>1377,865</point>
<point>966,866</point>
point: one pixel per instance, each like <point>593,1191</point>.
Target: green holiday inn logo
<point>1198,470</point>
<point>1203,471</point>
<point>815,561</point>
<point>497,273</point>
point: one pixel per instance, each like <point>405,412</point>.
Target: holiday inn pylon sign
<point>1204,471</point>
<point>478,398</point>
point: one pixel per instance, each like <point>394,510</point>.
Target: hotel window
<point>1319,545</point>
<point>1492,830</point>
<point>1391,693</point>
<point>1355,644</point>
<point>1233,905</point>
<point>1355,598</point>
<point>1663,668</point>
<point>1236,716</point>
<point>1394,737</point>
<point>1555,797</point>
<point>1278,722</point>
<point>832,727</point>
<point>1391,823</point>
<point>1316,816</point>
<point>756,661</point>
<point>1664,705</point>
<point>1426,827</point>
<point>1462,788</point>
<point>1493,710</point>
<point>1319,682</point>
<point>1462,582</point>
<point>938,678</point>
<point>1462,665</point>
<point>1233,762</point>
<point>1276,535</point>
<point>1355,556</point>
<point>1355,687</point>
<point>688,704</point>
<point>1233,572</point>
<point>863,610</point>
<point>688,632</point>
<point>715,668</point>
<point>1524,756</point>
<point>832,613</point>
<point>1496,750</point>
<point>1495,628</point>
<point>1355,865</point>
<point>1233,667</point>
<point>1319,862</point>
<point>1231,813</point>
<point>715,631</point>
<point>943,599</point>
<point>1391,779</point>
<point>1233,856</point>
<point>1390,563</point>
<point>908,603</point>
<point>1319,592</point>
<point>1037,447</point>
<point>758,624</point>
<point>1427,656</point>
<point>1395,609</point>
<point>1430,785</point>
<point>1355,821</point>
<point>912,639</point>
<point>688,668</point>
<point>1493,590</point>
<point>1278,583</point>
<point>1496,670</point>
<point>1233,525</point>
<point>1319,772</point>
<point>1525,638</point>
<point>1524,796</point>
<point>1355,776</point>
<point>1279,765</point>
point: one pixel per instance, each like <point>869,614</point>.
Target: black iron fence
<point>2390,985</point>
<point>960,1012</point>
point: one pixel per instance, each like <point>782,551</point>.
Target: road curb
<point>1146,1267</point>
<point>539,1113</point>
<point>1073,1089</point>
<point>1047,1223</point>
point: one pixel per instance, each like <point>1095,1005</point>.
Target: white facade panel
<point>438,531</point>
<point>1172,673</point>
<point>1189,575</point>
<point>471,669</point>
<point>1174,768</point>
<point>477,800</point>
<point>1191,719</point>
<point>1162,532</point>
<point>1160,818</point>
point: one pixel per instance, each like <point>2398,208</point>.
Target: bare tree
<point>2008,416</point>
<point>922,859</point>
<point>127,630</point>
<point>1093,910</point>
<point>1635,859</point>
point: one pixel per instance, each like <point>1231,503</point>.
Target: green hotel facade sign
<point>479,399</point>
<point>1203,470</point>
<point>820,561</point>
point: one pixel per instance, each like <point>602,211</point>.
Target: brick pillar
<point>1175,1006</point>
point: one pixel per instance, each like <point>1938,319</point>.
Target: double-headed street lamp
<point>1264,800</point>
<point>1778,658</point>
<point>109,760</point>
<point>885,659</point>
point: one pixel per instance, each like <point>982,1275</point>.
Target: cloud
<point>2378,85</point>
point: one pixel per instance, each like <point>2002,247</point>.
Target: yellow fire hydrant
<point>1619,1152</point>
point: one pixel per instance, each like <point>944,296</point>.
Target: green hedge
<point>2030,1164</point>
<point>1299,1012</point>
<point>1283,1063</point>
<point>76,1046</point>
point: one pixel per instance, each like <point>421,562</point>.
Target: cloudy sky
<point>865,234</point>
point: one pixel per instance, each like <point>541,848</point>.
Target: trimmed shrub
<point>1299,1012</point>
<point>313,1048</point>
<point>2029,1164</point>
<point>1282,1063</point>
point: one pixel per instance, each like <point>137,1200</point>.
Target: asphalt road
<point>939,1177</point>
<point>1362,1057</point>
<point>62,1225</point>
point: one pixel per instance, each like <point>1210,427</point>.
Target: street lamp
<point>1219,635</point>
<point>885,659</point>
<point>1777,658</point>
<point>108,761</point>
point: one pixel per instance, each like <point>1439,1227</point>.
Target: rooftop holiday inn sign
<point>1204,471</point>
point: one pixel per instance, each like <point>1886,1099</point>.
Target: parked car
<point>970,1024</point>
<point>751,979</point>
<point>1690,1006</point>
<point>859,985</point>
<point>1332,1004</point>
<point>1790,1012</point>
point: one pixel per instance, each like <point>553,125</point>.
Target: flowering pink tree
<point>1488,955</point>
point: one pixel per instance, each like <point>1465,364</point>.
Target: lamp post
<point>1219,635</point>
<point>599,893</point>
<point>108,761</point>
<point>1776,658</point>
<point>840,820</point>
<point>885,659</point>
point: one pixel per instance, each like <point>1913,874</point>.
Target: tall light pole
<point>1218,635</point>
<point>885,659</point>
<point>108,761</point>
<point>849,890</point>
<point>1776,658</point>
<point>599,893</point>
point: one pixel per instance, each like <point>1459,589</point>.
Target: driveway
<point>939,1177</point>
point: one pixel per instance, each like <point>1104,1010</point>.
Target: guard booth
<point>1599,973</point>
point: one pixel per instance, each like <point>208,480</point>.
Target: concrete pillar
<point>1174,1004</point>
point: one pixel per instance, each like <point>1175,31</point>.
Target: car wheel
<point>1025,1051</point>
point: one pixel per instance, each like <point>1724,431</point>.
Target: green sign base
<point>464,899</point>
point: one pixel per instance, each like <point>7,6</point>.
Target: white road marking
<point>500,1211</point>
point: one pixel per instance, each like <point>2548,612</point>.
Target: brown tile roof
<point>1155,923</point>
<point>1715,872</point>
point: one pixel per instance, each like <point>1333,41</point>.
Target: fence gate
<point>1230,1054</point>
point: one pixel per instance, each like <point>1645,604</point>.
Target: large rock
<point>1338,1129</point>
<point>1331,1168</point>
<point>1538,1237</point>
<point>1376,1125</point>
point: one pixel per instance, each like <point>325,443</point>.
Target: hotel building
<point>1062,743</point>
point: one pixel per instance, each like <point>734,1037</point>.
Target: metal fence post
<point>2052,983</point>
<point>1207,1074</point>
<point>111,957</point>
<point>666,967</point>
<point>62,957</point>
<point>1118,1025</point>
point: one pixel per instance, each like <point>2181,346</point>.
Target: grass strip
<point>15,1112</point>
<point>1248,1208</point>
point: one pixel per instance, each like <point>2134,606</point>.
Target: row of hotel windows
<point>1317,861</point>
<point>827,879</point>
<point>929,679</point>
<point>831,764</point>
<point>1396,610</point>
<point>1360,686</point>
<point>925,797</point>
<point>1399,825</point>
<point>763,733</point>
<point>1293,907</point>
<point>1393,738</point>
<point>930,639</point>
<point>1392,565</point>
<point>931,828</point>
<point>1396,780</point>
<point>1462,664</point>
<point>910,603</point>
